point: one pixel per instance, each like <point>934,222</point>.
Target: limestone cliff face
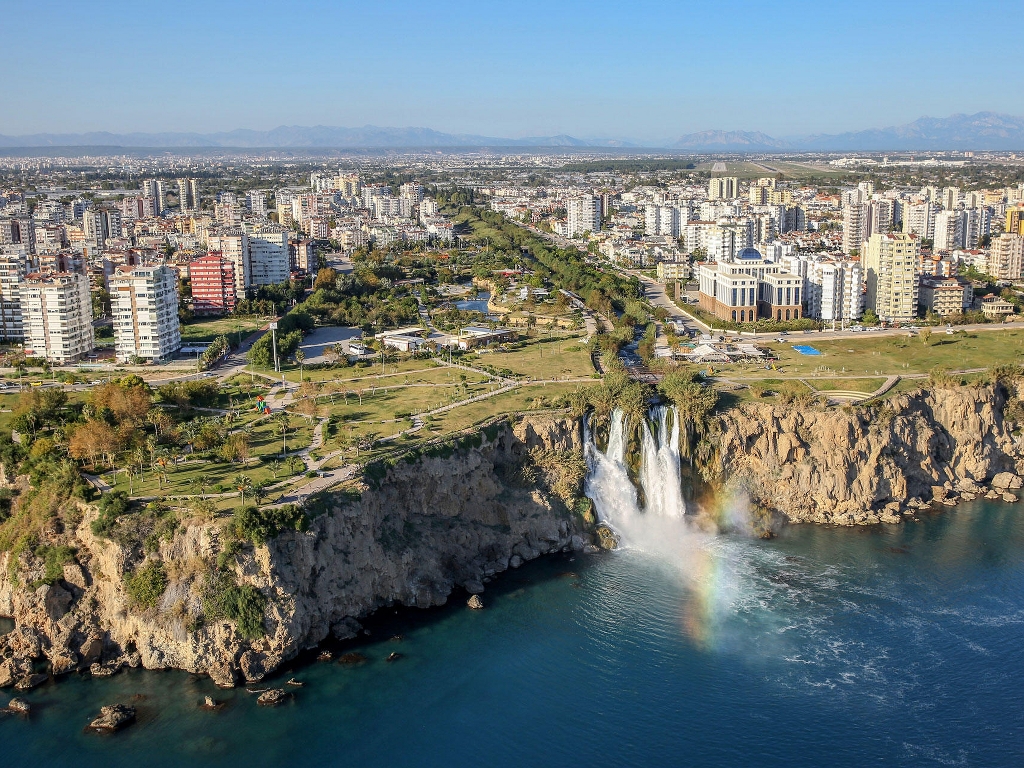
<point>865,465</point>
<point>429,526</point>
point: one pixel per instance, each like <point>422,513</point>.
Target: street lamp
<point>273,338</point>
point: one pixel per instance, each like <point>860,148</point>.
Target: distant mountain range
<point>984,130</point>
<point>294,136</point>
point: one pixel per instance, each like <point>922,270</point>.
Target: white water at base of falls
<point>613,493</point>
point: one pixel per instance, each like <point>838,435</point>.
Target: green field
<point>208,329</point>
<point>545,359</point>
<point>846,385</point>
<point>902,355</point>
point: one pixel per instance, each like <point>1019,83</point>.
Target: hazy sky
<point>634,69</point>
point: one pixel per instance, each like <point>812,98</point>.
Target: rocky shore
<point>427,525</point>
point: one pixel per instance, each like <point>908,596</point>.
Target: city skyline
<point>646,73</point>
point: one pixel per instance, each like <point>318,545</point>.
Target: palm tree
<point>243,483</point>
<point>282,425</point>
<point>299,357</point>
<point>259,492</point>
<point>275,467</point>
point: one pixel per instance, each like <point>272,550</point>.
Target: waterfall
<point>608,482</point>
<point>659,473</point>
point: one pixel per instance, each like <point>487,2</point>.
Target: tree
<point>242,483</point>
<point>283,424</point>
<point>299,357</point>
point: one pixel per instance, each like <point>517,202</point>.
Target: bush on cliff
<point>261,525</point>
<point>146,585</point>
<point>242,604</point>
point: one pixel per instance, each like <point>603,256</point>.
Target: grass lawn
<point>208,329</point>
<point>522,399</point>
<point>544,359</point>
<point>405,367</point>
<point>900,355</point>
<point>846,385</point>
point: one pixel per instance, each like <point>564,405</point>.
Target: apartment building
<point>919,219</point>
<point>1005,260</point>
<point>949,230</point>
<point>12,272</point>
<point>154,188</point>
<point>144,304</point>
<point>855,222</point>
<point>99,225</point>
<point>213,284</point>
<point>945,296</point>
<point>584,215</point>
<point>56,313</point>
<point>188,195</point>
<point>268,254</point>
<point>723,188</point>
<point>890,264</point>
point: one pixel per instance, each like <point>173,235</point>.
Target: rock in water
<point>19,706</point>
<point>606,538</point>
<point>28,682</point>
<point>113,718</point>
<point>352,658</point>
<point>325,656</point>
<point>272,698</point>
<point>209,703</point>
<point>393,656</point>
<point>296,683</point>
<point>475,602</point>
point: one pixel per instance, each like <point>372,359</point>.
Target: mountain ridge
<point>980,131</point>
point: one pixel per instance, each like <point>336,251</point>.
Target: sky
<point>636,70</point>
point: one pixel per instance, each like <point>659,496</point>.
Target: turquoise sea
<point>839,647</point>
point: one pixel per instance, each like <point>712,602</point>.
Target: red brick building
<point>213,284</point>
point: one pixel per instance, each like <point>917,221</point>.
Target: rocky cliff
<point>864,465</point>
<point>425,526</point>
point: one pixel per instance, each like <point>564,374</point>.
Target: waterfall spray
<point>659,472</point>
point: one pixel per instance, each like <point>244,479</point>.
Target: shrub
<point>111,505</point>
<point>261,525</point>
<point>244,605</point>
<point>54,559</point>
<point>146,585</point>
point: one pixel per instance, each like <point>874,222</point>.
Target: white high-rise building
<point>256,201</point>
<point>855,221</point>
<point>99,225</point>
<point>723,188</point>
<point>144,304</point>
<point>584,215</point>
<point>154,188</point>
<point>977,223</point>
<point>948,230</point>
<point>919,219</point>
<point>1006,257</point>
<point>188,195</point>
<point>56,311</point>
<point>268,254</point>
<point>890,264</point>
<point>662,220</point>
<point>233,245</point>
<point>12,272</point>
<point>837,290</point>
<point>950,198</point>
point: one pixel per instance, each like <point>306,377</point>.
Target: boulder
<point>210,703</point>
<point>8,674</point>
<point>28,682</point>
<point>606,539</point>
<point>515,561</point>
<point>223,675</point>
<point>1009,498</point>
<point>272,697</point>
<point>393,656</point>
<point>474,587</point>
<point>56,600</point>
<point>91,650</point>
<point>252,667</point>
<point>113,718</point>
<point>352,658</point>
<point>19,706</point>
<point>475,602</point>
<point>62,661</point>
<point>105,670</point>
<point>1007,481</point>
